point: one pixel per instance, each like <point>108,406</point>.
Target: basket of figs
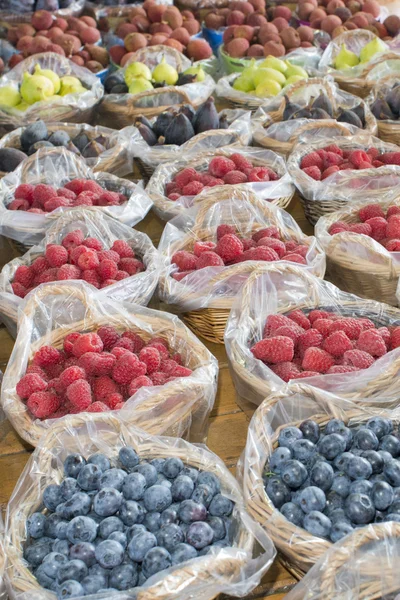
<point>384,102</point>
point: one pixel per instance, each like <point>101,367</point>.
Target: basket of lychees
<point>330,173</point>
<point>362,243</point>
<point>54,180</point>
<point>287,325</point>
<point>80,352</point>
<point>83,245</point>
<point>212,249</point>
<point>179,184</point>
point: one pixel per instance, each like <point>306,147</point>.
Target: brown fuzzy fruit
<point>382,31</point>
<point>343,13</point>
<point>61,23</point>
<point>157,39</point>
<point>73,22</point>
<point>246,7</point>
<point>155,12</point>
<point>314,2</point>
<point>188,15</point>
<point>255,50</point>
<point>280,23</point>
<point>42,19</point>
<point>14,60</point>
<point>198,50</point>
<point>78,60</point>
<point>306,45</point>
<point>90,35</point>
<point>43,33</point>
<point>192,26</point>
<point>244,31</point>
<point>94,66</point>
<point>55,33</point>
<point>273,37</point>
<point>237,47</point>
<point>56,49</point>
<point>125,29</point>
<point>98,54</point>
<point>172,17</point>
<point>274,49</point>
<point>135,41</point>
<point>116,53</point>
<point>39,44</point>
<point>128,56</point>
<point>290,38</point>
<point>24,44</point>
<point>235,18</point>
<point>141,23</point>
<point>24,29</point>
<point>317,13</point>
<point>283,11</point>
<point>214,21</point>
<point>174,44</point>
<point>88,20</point>
<point>256,20</point>
<point>359,20</point>
<point>266,30</point>
<point>354,6</point>
<point>84,54</point>
<point>160,28</point>
<point>306,33</point>
<point>372,7</point>
<point>258,5</point>
<point>339,30</point>
<point>182,35</point>
<point>333,5</point>
<point>316,24</point>
<point>329,23</point>
<point>305,10</point>
<point>137,11</point>
<point>392,24</point>
<point>228,34</point>
<point>350,26</point>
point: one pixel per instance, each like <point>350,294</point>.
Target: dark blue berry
<point>386,457</point>
<point>392,473</point>
<point>83,551</point>
<point>73,464</point>
<point>374,459</point>
<point>220,506</point>
<point>310,430</point>
<point>312,499</point>
<point>157,498</point>
<point>321,475</point>
<point>382,495</point>
<point>358,468</point>
<point>73,569</point>
<point>361,486</point>
<point>89,477</point>
<point>182,488</point>
<point>158,464</point>
<point>43,579</point>
<point>162,480</point>
<point>279,457</point>
<point>333,501</point>
<point>293,474</point>
<point>190,472</point>
<point>379,426</point>
<point>152,521</point>
<point>128,457</point>
<point>149,473</point>
<point>52,496</point>
<point>365,439</point>
<point>107,502</point>
<point>135,530</point>
<point>341,484</point>
<point>120,537</point>
<point>331,445</point>
<point>61,547</point>
<point>393,517</point>
<point>50,525</point>
<point>35,553</point>
<point>209,479</point>
<point>157,559</point>
<point>109,554</point>
<point>359,509</point>
<point>303,450</point>
<point>338,514</point>
<point>277,491</point>
<point>339,530</point>
<point>390,444</point>
<point>218,526</point>
<point>203,493</point>
<point>182,553</point>
<point>169,515</point>
<point>335,426</point>
<point>170,536</point>
<point>109,525</point>
<point>61,530</point>
<point>190,511</point>
<point>70,589</point>
<point>342,460</point>
<point>131,512</point>
<point>100,460</point>
<point>68,488</point>
<point>36,525</point>
<point>199,535</point>
<point>134,486</point>
<point>293,513</point>
<point>288,436</point>
<point>51,563</point>
<point>82,529</point>
<point>172,467</point>
<point>140,544</point>
<point>123,577</point>
<point>317,524</point>
<point>92,584</point>
<point>113,478</point>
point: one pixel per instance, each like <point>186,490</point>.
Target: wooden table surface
<point>228,423</point>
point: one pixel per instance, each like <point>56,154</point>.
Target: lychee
<point>69,43</point>
<point>125,29</point>
<point>283,11</point>
<point>392,24</point>
<point>126,58</point>
<point>88,20</point>
<point>237,47</point>
<point>78,60</point>
<point>214,21</point>
<point>172,17</point>
<point>290,38</point>
<point>192,26</point>
<point>244,31</point>
<point>198,49</point>
<point>305,10</point>
<point>61,23</point>
<point>174,44</point>
<point>116,53</point>
<point>274,48</point>
<point>255,50</point>
<point>42,19</point>
<point>141,23</point>
<point>227,36</point>
<point>333,5</point>
<point>306,33</point>
<point>90,35</point>
<point>329,23</point>
<point>155,12</point>
<point>56,49</point>
<point>235,18</point>
<point>182,35</point>
<point>160,28</point>
<point>280,23</point>
<point>24,29</point>
<point>135,41</point>
<point>343,13</point>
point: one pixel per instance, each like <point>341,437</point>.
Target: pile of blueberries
<point>111,528</point>
<point>333,481</point>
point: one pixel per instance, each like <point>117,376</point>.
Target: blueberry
<point>393,517</point>
<point>92,584</point>
<point>52,496</point>
<point>162,480</point>
<point>73,569</point>
<point>109,554</point>
<point>365,439</point>
<point>289,435</point>
<point>170,536</point>
<point>157,498</point>
<point>158,464</point>
<point>347,435</point>
<point>157,559</point>
<point>321,475</point>
<point>331,445</point>
<point>107,502</point>
<point>317,524</point>
<point>341,484</point>
<point>382,495</point>
<point>390,444</point>
<point>190,511</point>
<point>312,499</point>
<point>83,551</point>
<point>335,426</point>
<point>109,525</point>
<point>82,529</point>
<point>190,472</point>
<point>172,467</point>
<point>73,464</point>
<point>98,571</point>
<point>293,474</point>
<point>199,535</point>
<point>35,553</point>
<point>358,468</point>
<point>211,480</point>
<point>386,457</point>
<point>396,491</point>
<point>113,478</point>
<point>43,579</point>
<point>70,589</point>
<point>279,457</point>
<point>134,486</point>
<point>361,486</point>
<point>203,493</point>
<point>221,506</point>
<point>277,491</point>
<point>36,525</point>
<point>359,509</point>
<point>89,477</point>
<point>379,426</point>
<point>374,459</point>
<point>128,457</point>
<point>310,430</point>
<point>338,514</point>
<point>218,526</point>
<point>120,537</point>
<point>131,512</point>
<point>149,473</point>
<point>303,450</point>
<point>61,547</point>
<point>293,513</point>
<point>100,460</point>
<point>339,530</point>
<point>50,525</point>
<point>152,521</point>
<point>140,544</point>
<point>51,563</point>
<point>333,502</point>
<point>182,488</point>
<point>169,515</point>
<point>61,530</point>
<point>392,473</point>
<point>182,553</point>
<point>135,530</point>
<point>342,460</point>
<point>123,577</point>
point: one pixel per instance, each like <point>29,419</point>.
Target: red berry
<point>79,394</point>
<point>104,387</point>
<point>68,272</point>
<point>378,227</point>
<point>369,211</point>
<point>92,277</point>
<point>43,192</point>
<point>123,249</point>
<point>98,407</point>
<point>97,364</point>
<point>390,158</point>
<point>341,369</point>
<point>337,343</point>
<point>192,189</point>
<point>357,358</point>
<point>313,172</point>
<point>72,374</point>
<point>69,342</point>
<point>151,358</point>
<point>87,342</point>
<point>47,356</point>
<point>274,322</point>
<point>234,178</point>
<point>300,318</point>
<point>56,255</point>
<point>93,243</point>
<point>136,340</point>
<point>24,275</point>
<point>139,382</point>
<point>109,336</point>
<point>316,359</point>
<point>338,227</point>
<point>43,404</point>
<point>72,239</point>
<point>186,176</point>
<point>185,261</point>
<point>200,247</point>
<point>241,162</point>
<point>220,166</point>
<point>274,350</point>
<point>362,228</point>
<point>229,247</point>
<point>311,160</point>
<point>259,174</point>
<point>127,368</point>
<point>309,339</point>
<point>19,290</point>
<point>351,327</point>
<point>372,342</point>
<point>109,199</point>
<point>25,192</point>
<point>29,384</point>
<point>269,232</point>
<point>285,370</point>
<point>88,259</point>
<point>107,269</point>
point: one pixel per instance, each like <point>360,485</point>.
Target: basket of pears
<point>153,80</point>
<point>259,82</point>
<point>351,56</point>
<point>49,87</point>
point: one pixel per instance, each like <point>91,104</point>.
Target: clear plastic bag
<point>57,166</point>
<point>218,286</point>
<point>272,289</point>
<point>75,108</point>
<point>3,592</point>
<point>136,289</point>
<point>387,70</point>
<point>233,570</point>
<point>278,191</point>
<point>52,311</point>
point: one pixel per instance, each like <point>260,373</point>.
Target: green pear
<point>198,71</point>
<point>9,96</point>
<point>139,85</point>
<point>268,88</point>
<point>293,79</point>
<point>165,72</point>
<point>70,85</point>
<point>137,69</point>
<point>36,88</point>
<point>271,62</point>
<point>54,78</point>
<point>345,59</point>
<point>295,70</point>
<point>269,74</point>
<point>372,48</point>
<point>244,83</point>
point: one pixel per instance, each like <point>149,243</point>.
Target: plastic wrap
<point>58,166</point>
<point>278,288</point>
<point>52,311</point>
<point>75,108</point>
<point>386,70</point>
<point>20,13</point>
<point>116,159</point>
<point>3,592</point>
<point>218,286</point>
<point>136,289</point>
<point>291,406</point>
<point>279,191</point>
<point>234,570</point>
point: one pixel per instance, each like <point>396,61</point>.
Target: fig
<point>162,122</point>
<point>393,100</point>
<point>93,150</point>
<point>323,102</point>
<point>147,134</point>
<point>10,158</point>
<point>348,116</point>
<point>189,111</point>
<point>206,117</point>
<point>179,131</point>
<point>81,141</point>
<point>381,109</point>
<point>290,109</point>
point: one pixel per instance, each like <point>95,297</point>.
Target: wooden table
<point>228,423</point>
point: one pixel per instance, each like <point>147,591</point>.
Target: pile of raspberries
<point>78,258</point>
<point>322,163</point>
<point>221,171</point>
<point>95,372</point>
<point>384,227</point>
<point>265,244</point>
<point>302,345</point>
<point>43,198</point>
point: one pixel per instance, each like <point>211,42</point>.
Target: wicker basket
<point>388,130</point>
<point>299,549</point>
<point>185,399</point>
<point>253,387</point>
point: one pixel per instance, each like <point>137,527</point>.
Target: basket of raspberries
<point>331,172</point>
<point>174,186</point>
<point>321,472</point>
<point>116,511</point>
<point>97,355</point>
<point>83,245</point>
<point>211,254</point>
<point>306,328</point>
<point>362,244</point>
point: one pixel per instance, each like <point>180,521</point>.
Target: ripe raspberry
<point>74,253</point>
<point>56,202</point>
<point>363,228</point>
<point>192,189</point>
<point>72,239</point>
<point>131,265</point>
<point>38,371</point>
<point>72,374</point>
<point>109,255</point>
<point>109,199</point>
<point>311,160</point>
<point>342,369</point>
<point>300,318</point>
<point>97,364</point>
<point>274,322</point>
<point>68,272</point>
<point>25,192</point>
<point>107,269</point>
<point>168,366</point>
<point>276,245</point>
<point>313,172</point>
<point>93,243</point>
<point>270,232</point>
<point>392,210</point>
<point>24,275</point>
<point>79,394</point>
<point>329,171</point>
<point>235,177</point>
<point>338,227</point>
<point>220,166</point>
<point>274,350</point>
<point>337,344</point>
<point>185,261</point>
<point>56,255</point>
<point>127,368</point>
<point>29,384</point>
<point>318,314</point>
<point>335,149</point>
<point>174,196</point>
<point>224,230</point>
<point>47,356</point>
<point>90,185</point>
<point>113,401</point>
<point>364,165</point>
<point>69,342</point>
<point>357,157</point>
<point>369,211</point>
<point>259,253</point>
<point>390,158</point>
<point>109,336</point>
<point>293,332</point>
<point>186,176</point>
<point>85,199</point>
<point>98,407</point>
<point>43,192</point>
<point>181,275</point>
<point>137,341</point>
<point>258,174</point>
<point>366,324</point>
<point>358,358</point>
<point>393,227</point>
<point>123,249</point>
<point>200,247</point>
<point>92,277</point>
<point>377,164</point>
<point>87,342</point>
<point>241,162</point>
<point>285,370</point>
<point>309,339</point>
<point>229,247</point>
<point>172,188</point>
<point>351,327</point>
<point>302,249</point>
<point>297,258</point>
<point>49,275</point>
<point>163,350</point>
<point>158,378</point>
<point>19,290</point>
<point>151,358</point>
<point>39,265</point>
<point>395,338</point>
<point>139,382</point>
<point>181,371</point>
<point>18,204</point>
<point>372,342</point>
<point>385,334</point>
<point>393,245</point>
<point>104,387</point>
<point>54,371</point>
<point>76,185</point>
<point>378,227</point>
<point>88,259</point>
<point>316,359</point>
<point>43,404</point>
<point>332,159</point>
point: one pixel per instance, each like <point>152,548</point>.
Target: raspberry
<point>79,394</point>
<point>341,369</point>
<point>181,371</point>
<point>377,164</point>
<point>87,342</point>
<point>209,181</point>
<point>372,342</point>
<point>274,350</point>
<point>68,272</point>
<point>332,159</point>
<point>276,245</point>
<point>229,247</point>
<point>54,371</point>
<point>392,210</point>
<point>56,255</point>
<point>168,366</point>
<point>24,275</point>
<point>18,204</point>
<point>39,265</point>
<point>72,374</point>
<point>107,269</point>
<point>49,275</point>
<point>351,327</point>
<point>369,211</point>
<point>109,255</point>
<point>173,196</point>
<point>316,359</point>
<point>109,336</point>
<point>19,290</point>
<point>309,339</point>
<point>43,192</point>
<point>318,314</point>
<point>285,370</point>
<point>181,275</point>
<point>200,247</point>
<point>92,277</point>
<point>186,176</point>
<point>297,258</point>
<point>274,322</point>
<point>158,378</point>
<point>378,227</point>
<point>88,259</point>
<point>161,345</point>
<point>127,368</point>
<point>137,383</point>
<point>84,199</point>
<point>97,364</point>
<point>38,371</point>
<point>89,185</point>
<point>393,227</point>
<point>235,177</point>
<point>123,249</point>
<point>69,194</point>
<point>363,228</point>
<point>185,261</point>
<point>151,358</point>
<point>385,334</point>
<point>338,227</point>
<point>335,149</point>
<point>395,338</point>
<point>393,245</point>
<point>390,158</point>
<point>258,174</point>
<point>192,189</point>
<point>241,162</point>
<point>292,332</point>
<point>357,358</point>
<point>75,186</point>
<point>69,342</point>
<point>248,243</point>
<point>172,188</point>
<point>300,318</point>
<point>259,253</point>
<point>75,253</point>
<point>357,157</point>
<point>103,387</point>
<point>311,160</point>
<point>131,265</point>
<point>55,202</point>
<point>109,199</point>
<point>98,407</point>
<point>270,232</point>
<point>225,230</point>
<point>337,344</point>
<point>329,171</point>
<point>113,400</point>
<point>313,172</point>
<point>46,356</point>
<point>302,249</point>
<point>25,192</point>
<point>43,404</point>
<point>220,166</point>
<point>137,341</point>
<point>305,374</point>
<point>29,384</point>
<point>93,243</point>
